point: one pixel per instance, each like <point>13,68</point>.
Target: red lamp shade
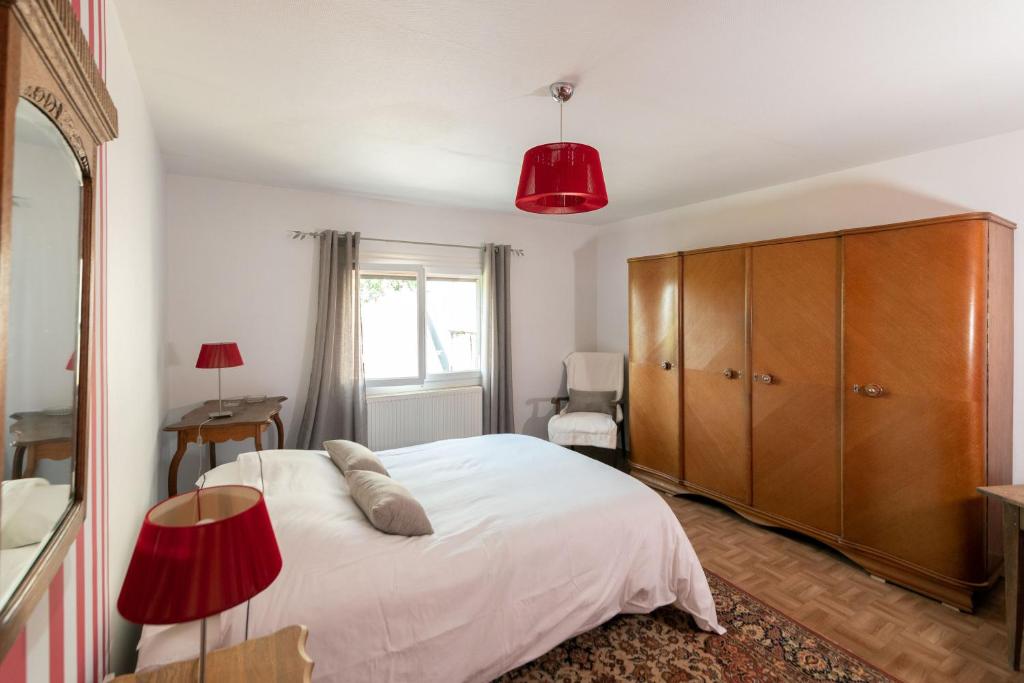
<point>561,177</point>
<point>198,554</point>
<point>219,355</point>
<point>71,362</point>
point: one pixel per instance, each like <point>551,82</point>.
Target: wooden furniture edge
<point>54,29</point>
<point>187,669</point>
<point>950,591</point>
<point>655,479</point>
<point>1000,492</point>
<point>840,232</point>
<point>998,402</point>
<point>680,362</point>
<point>843,232</point>
<point>179,426</point>
<point>652,257</point>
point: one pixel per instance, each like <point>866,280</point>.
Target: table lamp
<point>198,554</point>
<point>219,355</point>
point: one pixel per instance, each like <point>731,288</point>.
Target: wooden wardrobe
<point>855,386</point>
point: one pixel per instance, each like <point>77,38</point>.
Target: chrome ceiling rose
<point>561,91</point>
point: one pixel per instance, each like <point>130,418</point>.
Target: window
<point>421,325</point>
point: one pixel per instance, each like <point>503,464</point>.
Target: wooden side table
<point>39,435</point>
<point>249,421</point>
<point>1012,498</point>
<point>278,658</point>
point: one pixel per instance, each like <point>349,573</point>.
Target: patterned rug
<point>666,646</point>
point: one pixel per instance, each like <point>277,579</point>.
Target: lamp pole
<point>202,647</point>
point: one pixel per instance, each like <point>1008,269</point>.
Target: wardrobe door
<point>794,358</point>
<point>716,418</point>
<point>653,365</point>
<point>914,428</point>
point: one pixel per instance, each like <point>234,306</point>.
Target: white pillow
<point>31,508</point>
<point>222,475</point>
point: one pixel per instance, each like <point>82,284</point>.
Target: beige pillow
<point>591,402</point>
<point>349,455</point>
<point>387,504</point>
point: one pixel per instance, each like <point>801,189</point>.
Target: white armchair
<point>589,371</point>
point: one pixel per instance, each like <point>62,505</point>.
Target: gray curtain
<point>497,360</point>
<point>336,402</point>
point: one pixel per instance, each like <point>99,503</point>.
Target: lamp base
<point>219,414</point>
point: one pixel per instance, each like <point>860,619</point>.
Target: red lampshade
<point>198,554</point>
<point>219,355</point>
<point>561,177</point>
<point>71,362</point>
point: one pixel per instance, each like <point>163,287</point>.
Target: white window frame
<point>425,381</point>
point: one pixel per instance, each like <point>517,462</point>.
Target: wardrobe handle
<point>764,378</point>
<point>869,390</point>
<point>666,365</point>
<point>729,373</point>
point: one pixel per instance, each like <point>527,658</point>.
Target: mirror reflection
<point>42,338</point>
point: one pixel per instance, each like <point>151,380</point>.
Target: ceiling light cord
<point>561,105</point>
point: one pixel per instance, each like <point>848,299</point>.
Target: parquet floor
<point>907,635</point>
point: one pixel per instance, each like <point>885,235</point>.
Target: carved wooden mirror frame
<point>45,58</point>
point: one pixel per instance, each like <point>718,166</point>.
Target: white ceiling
<point>436,100</point>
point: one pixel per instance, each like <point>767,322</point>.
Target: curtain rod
<point>303,234</point>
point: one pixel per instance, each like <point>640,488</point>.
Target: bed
<point>533,544</point>
<point>32,508</point>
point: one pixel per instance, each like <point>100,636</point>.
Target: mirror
<point>42,343</point>
<point>56,113</point>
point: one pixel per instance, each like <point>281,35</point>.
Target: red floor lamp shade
<point>198,554</point>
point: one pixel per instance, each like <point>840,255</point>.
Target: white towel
<point>592,371</point>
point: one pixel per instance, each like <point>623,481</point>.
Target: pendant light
<point>561,177</point>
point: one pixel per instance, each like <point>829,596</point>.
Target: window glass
<point>390,326</point>
<point>452,324</point>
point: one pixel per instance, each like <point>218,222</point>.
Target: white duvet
<point>532,545</point>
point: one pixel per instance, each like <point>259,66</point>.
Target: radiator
<point>398,420</point>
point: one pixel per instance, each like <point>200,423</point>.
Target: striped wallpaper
<point>67,638</point>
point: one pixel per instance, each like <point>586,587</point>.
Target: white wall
<point>135,305</point>
<point>234,275</point>
<point>985,175</point>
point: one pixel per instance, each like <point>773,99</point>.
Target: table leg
<point>257,437</point>
<point>213,455</point>
<point>1012,557</point>
<point>280,430</point>
<point>172,472</point>
<point>19,462</point>
<point>31,462</point>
